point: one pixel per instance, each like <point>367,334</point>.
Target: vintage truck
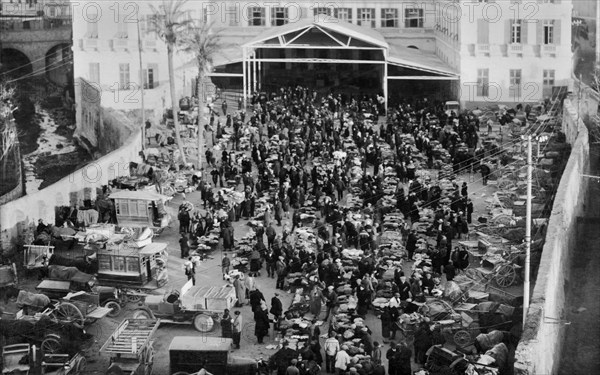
<point>198,305</point>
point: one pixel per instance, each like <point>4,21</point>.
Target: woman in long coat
<point>240,291</point>
<point>316,298</point>
<point>261,318</point>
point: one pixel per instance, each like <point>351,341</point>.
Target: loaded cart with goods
<point>130,347</point>
<point>133,269</point>
<point>197,305</point>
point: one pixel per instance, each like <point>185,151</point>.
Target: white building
<point>475,51</point>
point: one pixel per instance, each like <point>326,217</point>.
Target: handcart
<point>131,347</point>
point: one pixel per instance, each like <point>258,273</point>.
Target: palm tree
<point>204,45</point>
<point>170,24</point>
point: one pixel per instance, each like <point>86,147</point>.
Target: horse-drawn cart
<point>130,347</point>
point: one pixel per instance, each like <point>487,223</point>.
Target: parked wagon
<point>134,270</point>
<point>50,335</point>
<point>28,359</point>
<point>64,281</point>
<point>141,209</point>
<point>131,347</point>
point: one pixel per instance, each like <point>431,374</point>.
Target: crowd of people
<point>289,137</point>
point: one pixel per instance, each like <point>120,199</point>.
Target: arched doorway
<point>59,62</point>
<point>15,63</point>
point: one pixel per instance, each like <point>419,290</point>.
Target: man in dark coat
<point>391,355</point>
<point>423,341</point>
<point>185,245</point>
<point>256,297</point>
<point>411,243</point>
<point>282,358</point>
<point>402,360</point>
<point>276,310</point>
<point>271,234</point>
<point>261,318</point>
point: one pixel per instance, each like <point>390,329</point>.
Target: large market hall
<point>338,55</point>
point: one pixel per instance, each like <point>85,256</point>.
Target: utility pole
<point>597,34</point>
<point>141,85</point>
<point>527,231</point>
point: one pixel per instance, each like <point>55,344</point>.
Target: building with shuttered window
<point>506,51</point>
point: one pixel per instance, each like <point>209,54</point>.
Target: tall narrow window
<point>92,30</point>
<point>344,14</point>
<point>515,83</point>
<point>548,31</point>
<point>413,18</point>
<point>151,76</point>
<point>483,82</point>
<point>366,17</point>
<point>122,27</point>
<point>515,31</point>
<point>94,73</point>
<point>124,76</point>
<point>389,17</point>
<point>279,16</point>
<point>322,10</point>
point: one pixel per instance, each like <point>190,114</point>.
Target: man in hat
<point>281,270</point>
<point>330,300</point>
<point>276,310</point>
<point>271,234</point>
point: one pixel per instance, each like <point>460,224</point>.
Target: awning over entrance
<point>416,59</point>
<point>326,41</point>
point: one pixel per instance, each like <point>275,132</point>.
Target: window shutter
<point>250,20</point>
<point>483,31</point>
<point>557,32</point>
<point>540,32</point>
<point>508,30</point>
<point>154,68</point>
<point>524,31</point>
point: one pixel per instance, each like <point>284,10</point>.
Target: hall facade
<point>475,52</point>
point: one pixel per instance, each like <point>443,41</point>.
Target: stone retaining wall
<point>539,348</point>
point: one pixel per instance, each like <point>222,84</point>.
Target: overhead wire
<point>50,67</point>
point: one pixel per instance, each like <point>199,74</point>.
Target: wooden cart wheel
<point>115,308</point>
<point>203,323</point>
<point>141,314</point>
<point>462,338</point>
<point>51,344</point>
<point>505,276</point>
<point>81,365</point>
<point>68,312</point>
<point>133,298</point>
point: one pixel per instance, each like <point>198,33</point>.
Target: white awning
<point>419,60</point>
